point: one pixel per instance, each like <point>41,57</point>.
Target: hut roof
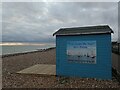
<point>101,29</point>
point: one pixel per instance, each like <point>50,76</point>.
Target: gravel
<point>12,64</point>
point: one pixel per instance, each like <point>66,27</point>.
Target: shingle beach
<point>14,63</point>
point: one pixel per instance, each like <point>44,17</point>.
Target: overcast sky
<point>37,21</point>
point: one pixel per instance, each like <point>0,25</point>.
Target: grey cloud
<point>119,22</point>
<point>32,21</point>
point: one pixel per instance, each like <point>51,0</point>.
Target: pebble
<point>12,64</point>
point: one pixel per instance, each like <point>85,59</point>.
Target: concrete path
<point>45,69</point>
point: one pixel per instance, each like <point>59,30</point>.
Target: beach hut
<point>84,52</point>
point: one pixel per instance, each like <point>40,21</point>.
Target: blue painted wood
<point>102,68</point>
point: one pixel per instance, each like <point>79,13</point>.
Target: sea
<point>18,47</point>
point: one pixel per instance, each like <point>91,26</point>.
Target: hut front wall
<point>99,68</point>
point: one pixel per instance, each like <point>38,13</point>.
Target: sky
<point>118,22</point>
<point>37,21</point>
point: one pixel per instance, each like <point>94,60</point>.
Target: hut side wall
<point>102,68</point>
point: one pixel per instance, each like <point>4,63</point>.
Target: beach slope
<point>14,63</point>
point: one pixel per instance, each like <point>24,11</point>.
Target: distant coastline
<point>16,54</point>
<point>22,43</point>
<point>22,47</point>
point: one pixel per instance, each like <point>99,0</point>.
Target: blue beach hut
<point>84,52</point>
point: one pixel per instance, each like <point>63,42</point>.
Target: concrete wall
<point>102,69</point>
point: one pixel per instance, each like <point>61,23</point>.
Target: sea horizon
<point>21,47</point>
